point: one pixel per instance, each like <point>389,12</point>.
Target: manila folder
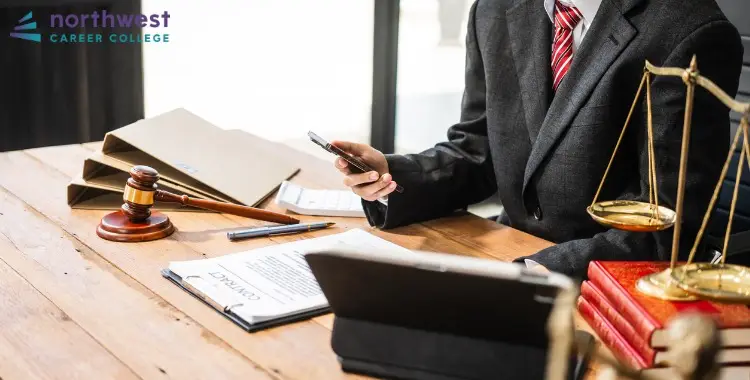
<point>193,153</point>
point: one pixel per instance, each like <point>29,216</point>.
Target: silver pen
<point>276,230</point>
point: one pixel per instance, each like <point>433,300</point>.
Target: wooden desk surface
<point>76,306</point>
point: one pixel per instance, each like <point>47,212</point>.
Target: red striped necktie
<point>566,19</point>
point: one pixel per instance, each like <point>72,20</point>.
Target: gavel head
<point>139,193</point>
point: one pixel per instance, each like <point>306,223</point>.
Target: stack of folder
<point>632,325</point>
<point>193,157</point>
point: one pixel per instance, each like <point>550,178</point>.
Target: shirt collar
<point>588,9</point>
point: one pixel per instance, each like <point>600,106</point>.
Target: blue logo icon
<point>27,28</point>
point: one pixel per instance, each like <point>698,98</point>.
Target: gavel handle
<point>227,208</point>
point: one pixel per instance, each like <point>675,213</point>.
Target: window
<point>430,71</point>
<point>273,68</point>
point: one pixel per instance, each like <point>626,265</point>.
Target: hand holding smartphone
<point>356,165</point>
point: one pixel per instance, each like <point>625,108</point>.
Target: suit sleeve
<point>719,52</point>
<point>451,175</point>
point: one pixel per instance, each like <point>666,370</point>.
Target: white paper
<point>273,281</point>
<point>319,202</point>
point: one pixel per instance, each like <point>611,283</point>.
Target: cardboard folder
<point>103,170</point>
<point>190,152</point>
<point>102,184</point>
<point>98,196</point>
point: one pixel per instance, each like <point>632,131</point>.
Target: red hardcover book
<point>648,316</point>
<point>593,295</point>
<point>651,357</point>
<point>616,343</point>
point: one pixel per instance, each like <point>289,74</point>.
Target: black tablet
<point>437,316</point>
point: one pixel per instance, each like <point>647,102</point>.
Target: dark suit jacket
<point>544,153</point>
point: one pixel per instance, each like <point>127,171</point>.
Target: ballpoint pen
<point>276,230</point>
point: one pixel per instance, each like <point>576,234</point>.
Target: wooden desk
<point>76,306</point>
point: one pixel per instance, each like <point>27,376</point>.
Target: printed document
<point>271,282</point>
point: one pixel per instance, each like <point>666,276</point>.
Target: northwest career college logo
<point>27,28</point>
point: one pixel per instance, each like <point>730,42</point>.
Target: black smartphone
<point>357,166</point>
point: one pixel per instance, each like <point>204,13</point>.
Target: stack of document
<point>193,157</point>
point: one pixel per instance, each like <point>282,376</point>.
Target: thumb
<point>356,149</point>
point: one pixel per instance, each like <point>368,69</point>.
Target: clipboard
<point>224,306</point>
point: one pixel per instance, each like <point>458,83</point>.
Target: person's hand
<point>369,186</point>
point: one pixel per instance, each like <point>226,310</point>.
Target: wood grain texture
<point>93,146</point>
<point>40,341</point>
<point>300,350</point>
<point>501,242</point>
<point>67,159</point>
<point>32,187</point>
<point>134,324</point>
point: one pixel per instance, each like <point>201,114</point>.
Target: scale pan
<point>631,215</point>
<point>718,282</point>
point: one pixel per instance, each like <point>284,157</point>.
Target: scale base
<point>117,227</point>
<point>662,286</point>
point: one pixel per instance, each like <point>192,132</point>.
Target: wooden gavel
<point>141,192</point>
<point>136,222</point>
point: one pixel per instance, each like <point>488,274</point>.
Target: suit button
<point>538,213</point>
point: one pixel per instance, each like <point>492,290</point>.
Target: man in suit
<point>548,87</point>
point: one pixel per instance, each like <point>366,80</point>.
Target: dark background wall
<point>738,12</point>
<point>52,94</point>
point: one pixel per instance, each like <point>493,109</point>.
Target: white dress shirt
<point>588,9</point>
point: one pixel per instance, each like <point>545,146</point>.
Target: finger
<point>356,149</point>
<point>358,179</point>
<point>370,190</point>
<point>342,165</point>
<point>384,191</point>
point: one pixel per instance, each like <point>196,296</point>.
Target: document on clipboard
<point>268,286</point>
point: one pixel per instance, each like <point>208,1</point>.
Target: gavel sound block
<point>135,222</point>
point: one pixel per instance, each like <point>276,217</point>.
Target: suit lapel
<point>609,35</point>
<point>530,34</point>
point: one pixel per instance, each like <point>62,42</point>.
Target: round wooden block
<point>117,227</point>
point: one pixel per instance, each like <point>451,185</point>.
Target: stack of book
<point>632,325</point>
<point>193,158</point>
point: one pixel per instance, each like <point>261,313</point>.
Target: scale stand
<point>721,282</point>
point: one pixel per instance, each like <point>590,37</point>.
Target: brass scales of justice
<point>714,281</point>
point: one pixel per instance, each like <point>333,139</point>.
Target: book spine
<point>593,295</point>
<point>621,300</point>
<point>609,336</point>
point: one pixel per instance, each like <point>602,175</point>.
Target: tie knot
<point>566,17</point>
